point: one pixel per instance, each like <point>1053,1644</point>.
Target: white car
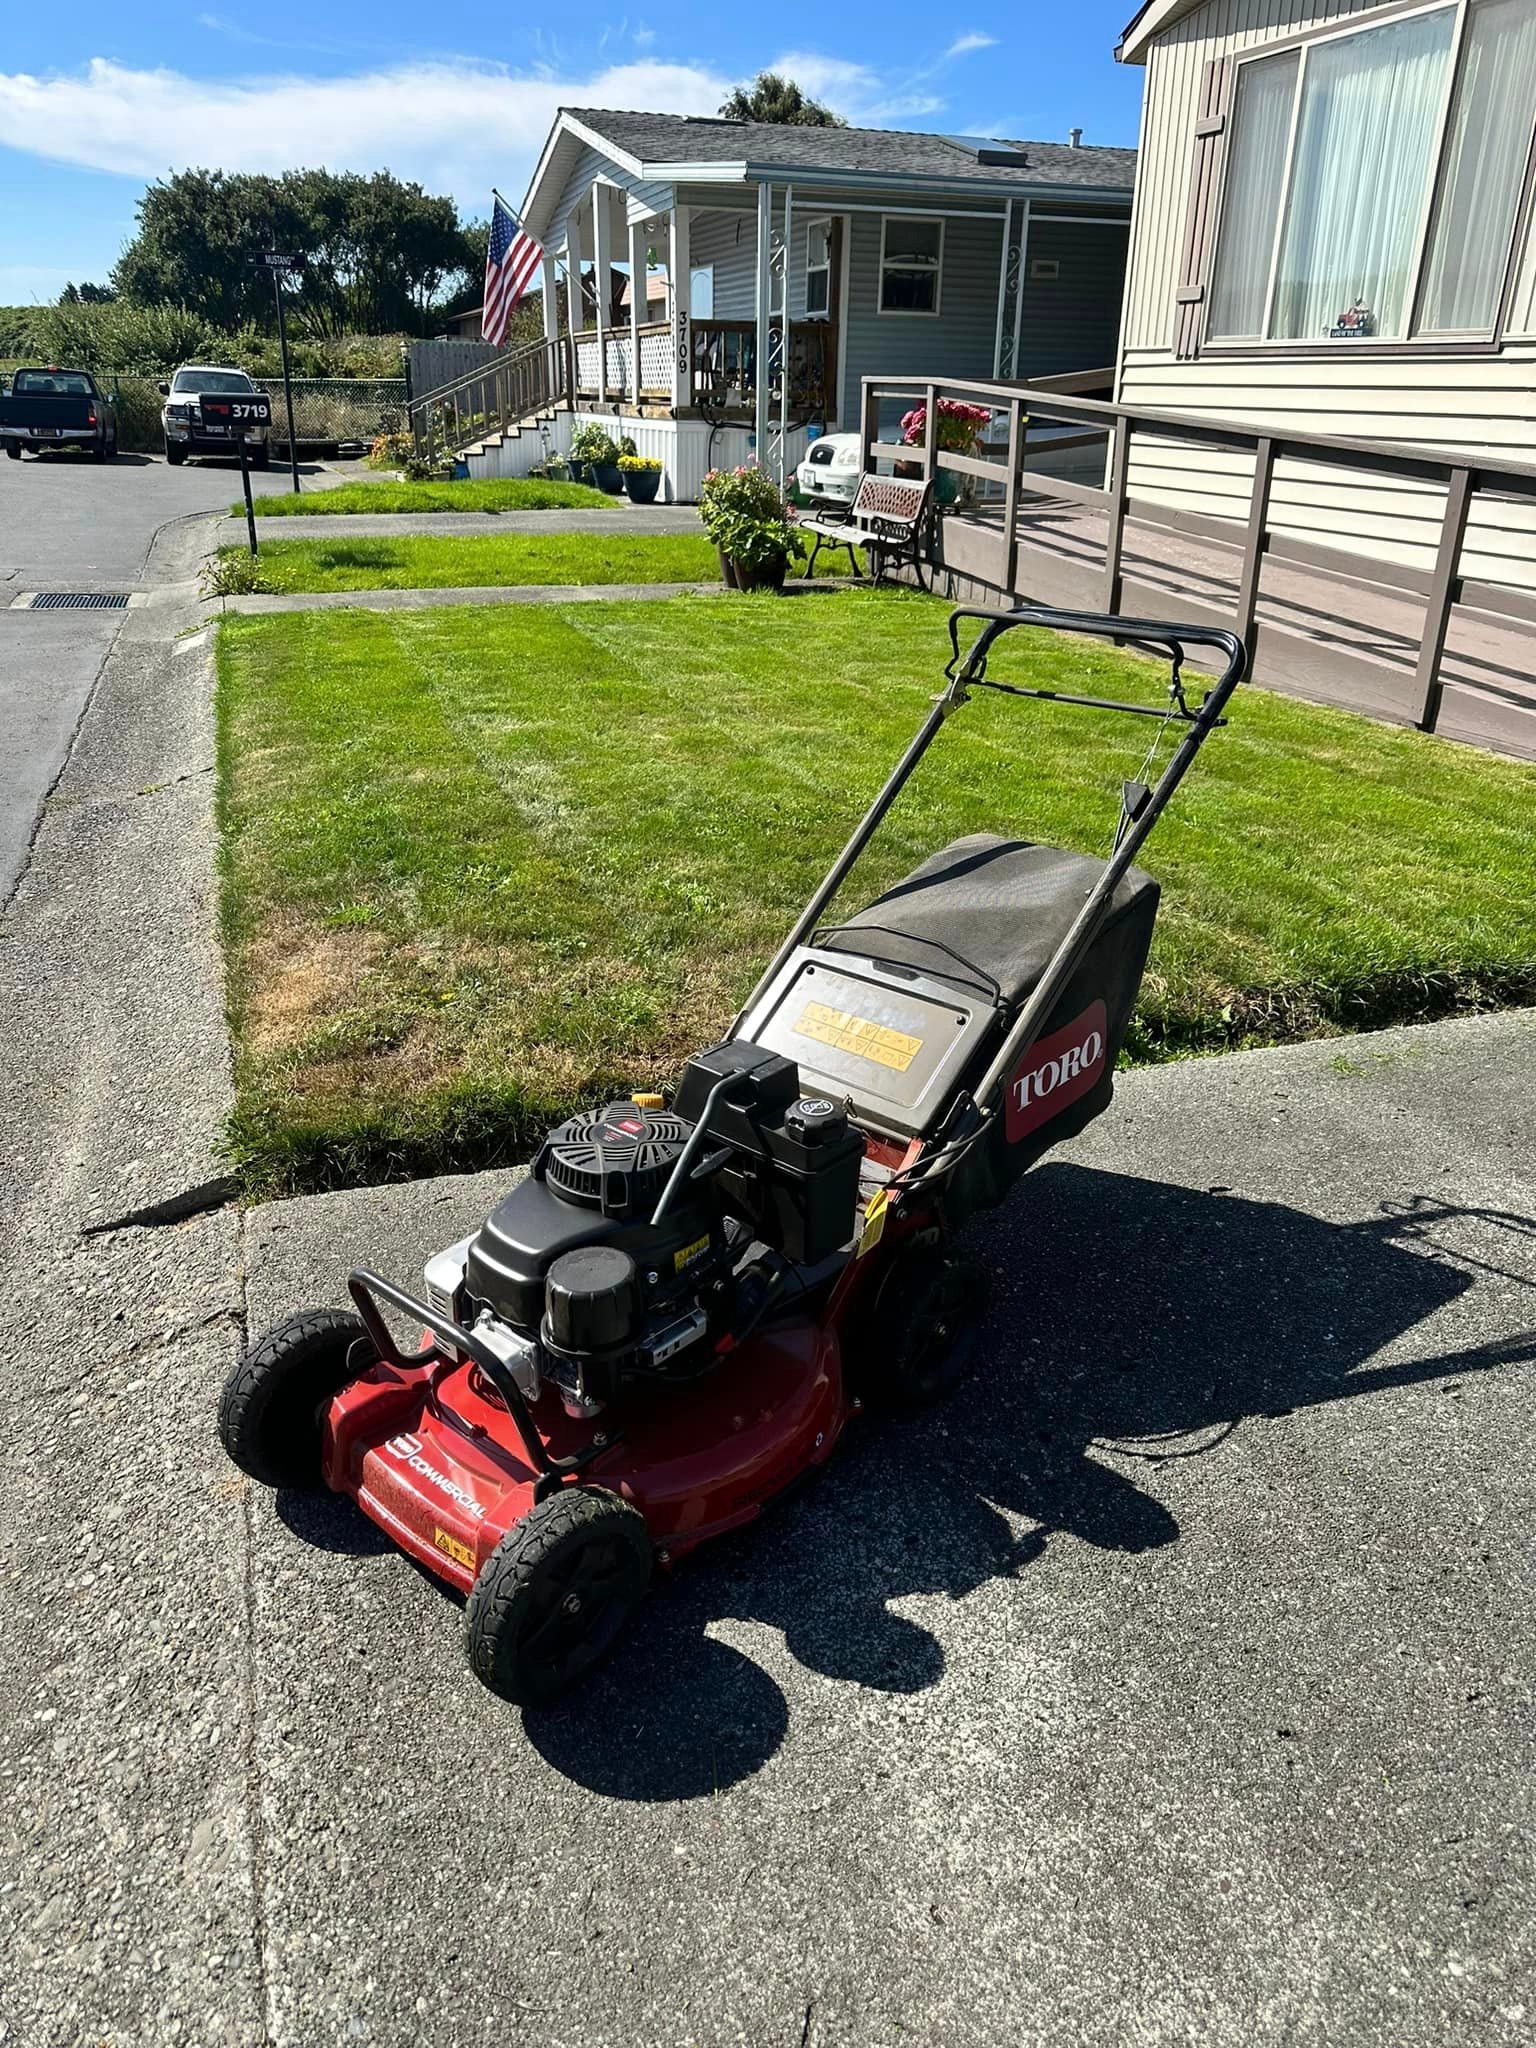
<point>832,467</point>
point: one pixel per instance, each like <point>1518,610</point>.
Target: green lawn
<point>426,562</point>
<point>502,494</point>
<point>482,864</point>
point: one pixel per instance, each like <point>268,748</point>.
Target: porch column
<point>680,267</point>
<point>789,249</point>
<point>764,300</point>
<point>1018,297</point>
<point>551,299</point>
<point>639,303</point>
<point>573,291</point>
<point>602,274</point>
<point>1002,289</point>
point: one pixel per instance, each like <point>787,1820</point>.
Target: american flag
<point>511,258</point>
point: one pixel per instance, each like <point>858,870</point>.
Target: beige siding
<point>1478,403</point>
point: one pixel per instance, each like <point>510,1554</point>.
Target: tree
<point>779,101</point>
<point>371,254</point>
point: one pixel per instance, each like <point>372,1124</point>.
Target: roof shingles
<point>891,152</point>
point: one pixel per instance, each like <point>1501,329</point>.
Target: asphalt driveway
<point>67,523</point>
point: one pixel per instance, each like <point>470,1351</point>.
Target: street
<point>1170,1684</point>
<point>67,523</point>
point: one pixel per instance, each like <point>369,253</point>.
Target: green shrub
<point>391,451</point>
<point>591,444</point>
<point>743,515</point>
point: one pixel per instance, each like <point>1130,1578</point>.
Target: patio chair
<point>885,519</point>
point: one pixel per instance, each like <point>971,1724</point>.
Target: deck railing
<point>984,545</point>
<point>724,356</point>
<point>617,383</point>
<point>528,380</point>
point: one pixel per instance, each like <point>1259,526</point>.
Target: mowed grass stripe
<point>428,562</point>
<point>482,865</point>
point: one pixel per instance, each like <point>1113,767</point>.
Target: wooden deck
<point>1333,637</point>
<point>1051,516</point>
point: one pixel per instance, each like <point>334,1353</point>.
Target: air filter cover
<point>616,1159</point>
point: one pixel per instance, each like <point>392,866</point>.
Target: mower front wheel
<point>272,1410</point>
<point>554,1594</point>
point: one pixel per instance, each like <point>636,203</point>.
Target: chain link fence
<point>328,412</point>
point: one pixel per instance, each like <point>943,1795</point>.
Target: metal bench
<point>885,519</point>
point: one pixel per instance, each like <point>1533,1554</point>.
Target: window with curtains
<point>1374,179</point>
<point>818,269</point>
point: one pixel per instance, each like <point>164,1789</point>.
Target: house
<point>1333,233</point>
<point>841,252</point>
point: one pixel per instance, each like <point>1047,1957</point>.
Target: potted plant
<point>596,453</point>
<point>642,477</point>
<point>745,517</point>
<point>958,430</point>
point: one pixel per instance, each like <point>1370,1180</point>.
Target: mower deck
<point>424,1451</point>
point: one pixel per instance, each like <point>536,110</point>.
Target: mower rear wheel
<point>917,1342</point>
<point>272,1410</point>
<point>555,1592</point>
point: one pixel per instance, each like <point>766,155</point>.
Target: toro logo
<point>1055,1071</point>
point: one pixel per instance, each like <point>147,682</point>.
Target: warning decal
<point>861,1035</point>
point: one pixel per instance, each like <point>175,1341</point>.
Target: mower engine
<point>643,1237</point>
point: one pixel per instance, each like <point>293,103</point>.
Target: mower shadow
<point>1128,1315</point>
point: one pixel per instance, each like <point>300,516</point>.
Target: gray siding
<point>958,344</point>
<point>729,242</point>
<point>1072,321</point>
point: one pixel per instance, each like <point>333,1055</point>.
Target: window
<point>701,292</point>
<point>1374,179</point>
<point>818,269</point>
<point>911,257</point>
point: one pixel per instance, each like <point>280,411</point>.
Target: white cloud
<point>962,46</point>
<point>455,126</point>
<point>853,90</point>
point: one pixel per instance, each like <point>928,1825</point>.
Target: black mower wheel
<point>916,1347</point>
<point>554,1594</point>
<point>273,1404</point>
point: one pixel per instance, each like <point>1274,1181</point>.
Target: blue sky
<point>97,101</point>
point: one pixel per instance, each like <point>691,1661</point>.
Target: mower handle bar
<point>1169,638</point>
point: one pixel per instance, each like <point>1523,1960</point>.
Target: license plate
<point>45,431</point>
<point>215,430</point>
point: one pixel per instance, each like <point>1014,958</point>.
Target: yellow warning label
<point>689,1253</point>
<point>862,1035</point>
<point>874,1221</point>
<point>452,1547</point>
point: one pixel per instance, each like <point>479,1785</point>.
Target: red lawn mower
<point>674,1315</point>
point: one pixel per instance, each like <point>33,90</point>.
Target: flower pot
<point>946,486</point>
<point>579,473</point>
<point>763,576</point>
<point>608,477</point>
<point>727,570</point>
<point>642,485</point>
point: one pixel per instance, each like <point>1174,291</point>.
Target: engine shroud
<point>617,1159</point>
<point>596,1181</point>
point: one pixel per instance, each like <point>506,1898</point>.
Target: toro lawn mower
<point>676,1312</point>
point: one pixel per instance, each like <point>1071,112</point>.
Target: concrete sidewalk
<point>478,593</point>
<point>1174,1683</point>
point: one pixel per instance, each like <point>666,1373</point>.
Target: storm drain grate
<point>80,601</point>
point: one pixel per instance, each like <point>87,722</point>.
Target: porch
<point>1443,637</point>
<point>633,367</point>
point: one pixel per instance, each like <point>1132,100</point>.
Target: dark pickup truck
<point>57,409</point>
